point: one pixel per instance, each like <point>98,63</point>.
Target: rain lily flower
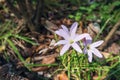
<point>90,48</point>
<point>70,38</point>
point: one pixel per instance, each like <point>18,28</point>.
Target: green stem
<point>69,67</point>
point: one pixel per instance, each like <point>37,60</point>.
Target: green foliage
<point>106,13</point>
<point>77,67</point>
<point>77,2</point>
<point>97,11</point>
<point>114,73</point>
<point>86,11</point>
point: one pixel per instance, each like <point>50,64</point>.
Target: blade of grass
<point>26,39</point>
<point>5,36</point>
<point>15,50</point>
<point>5,27</point>
<point>113,73</point>
<point>6,56</point>
<point>18,54</point>
<point>103,27</point>
<point>36,65</point>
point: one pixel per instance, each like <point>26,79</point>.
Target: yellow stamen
<point>71,41</point>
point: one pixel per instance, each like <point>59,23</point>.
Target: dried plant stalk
<point>110,34</point>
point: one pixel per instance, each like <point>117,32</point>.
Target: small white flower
<point>90,48</point>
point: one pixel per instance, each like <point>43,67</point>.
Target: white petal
<point>58,32</point>
<point>73,28</point>
<point>64,49</point>
<point>90,56</point>
<point>76,47</point>
<point>62,33</point>
<point>61,42</point>
<point>73,25</point>
<point>64,28</point>
<point>96,52</point>
<point>96,44</point>
<point>81,36</point>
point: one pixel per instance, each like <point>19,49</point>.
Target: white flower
<point>70,38</point>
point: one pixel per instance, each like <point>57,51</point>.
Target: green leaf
<point>77,18</point>
<point>5,36</point>
<point>83,8</point>
<point>78,14</point>
<point>71,16</point>
<point>4,27</point>
<point>116,3</point>
<point>94,5</point>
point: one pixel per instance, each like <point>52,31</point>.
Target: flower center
<point>88,47</point>
<point>71,41</point>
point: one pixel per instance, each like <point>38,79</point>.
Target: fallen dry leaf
<point>50,26</point>
<point>97,78</point>
<point>93,29</point>
<point>67,22</point>
<point>114,48</point>
<point>38,58</point>
<point>2,1</point>
<point>80,28</point>
<point>46,60</point>
<point>40,47</point>
<point>106,55</point>
<point>61,76</point>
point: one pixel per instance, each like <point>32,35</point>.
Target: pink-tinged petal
<point>90,56</point>
<point>64,49</point>
<point>88,37</point>
<point>96,52</point>
<point>76,35</point>
<point>88,41</point>
<point>62,33</point>
<point>65,28</point>
<point>81,36</point>
<point>76,47</point>
<point>85,51</point>
<point>61,42</point>
<point>96,44</point>
<point>73,29</point>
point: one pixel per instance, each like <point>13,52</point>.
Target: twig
<point>109,36</point>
